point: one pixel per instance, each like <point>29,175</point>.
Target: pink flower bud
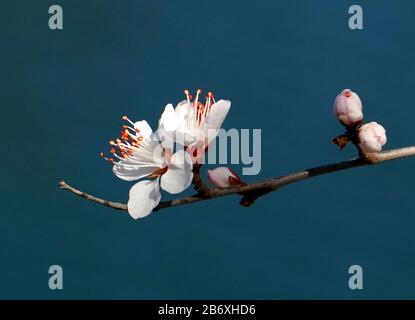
<point>372,136</point>
<point>223,177</point>
<point>348,108</point>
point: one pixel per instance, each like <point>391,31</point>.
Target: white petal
<point>146,153</point>
<point>179,174</point>
<point>215,118</point>
<point>169,120</point>
<point>144,128</point>
<point>144,197</point>
<point>217,114</point>
<point>130,172</point>
<point>143,161</point>
<point>182,109</point>
<point>185,136</point>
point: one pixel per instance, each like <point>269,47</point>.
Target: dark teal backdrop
<point>281,63</point>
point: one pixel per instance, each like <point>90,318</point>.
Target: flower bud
<point>348,108</point>
<point>223,177</point>
<point>372,136</point>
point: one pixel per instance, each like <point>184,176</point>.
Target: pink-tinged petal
<point>197,150</point>
<point>179,174</point>
<point>223,177</point>
<point>348,108</point>
<point>372,137</point>
<point>143,128</point>
<point>144,197</point>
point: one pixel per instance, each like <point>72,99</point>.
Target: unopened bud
<point>372,136</point>
<point>348,108</point>
<point>223,177</point>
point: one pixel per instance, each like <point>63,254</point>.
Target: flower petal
<point>130,172</point>
<point>179,174</point>
<point>182,110</point>
<point>143,128</point>
<point>215,118</point>
<point>144,197</point>
<point>169,120</point>
<point>217,114</point>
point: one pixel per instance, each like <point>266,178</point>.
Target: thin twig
<point>262,186</point>
<point>115,205</point>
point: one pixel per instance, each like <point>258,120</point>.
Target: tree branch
<point>198,184</point>
<point>262,187</point>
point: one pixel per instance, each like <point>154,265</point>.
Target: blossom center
<point>158,172</point>
<point>198,110</point>
<point>124,146</point>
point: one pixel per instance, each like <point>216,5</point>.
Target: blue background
<point>281,63</point>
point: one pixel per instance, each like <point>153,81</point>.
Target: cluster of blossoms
<point>369,137</point>
<point>139,153</point>
<point>151,157</point>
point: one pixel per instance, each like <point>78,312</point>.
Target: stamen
<point>199,110</point>
<point>198,92</point>
<point>128,127</point>
<point>110,160</point>
<point>125,118</point>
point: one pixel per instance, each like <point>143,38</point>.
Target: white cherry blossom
<point>193,121</point>
<point>140,155</point>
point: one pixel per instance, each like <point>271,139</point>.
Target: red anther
<point>112,150</point>
<point>348,94</point>
<point>110,160</point>
<point>124,126</point>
